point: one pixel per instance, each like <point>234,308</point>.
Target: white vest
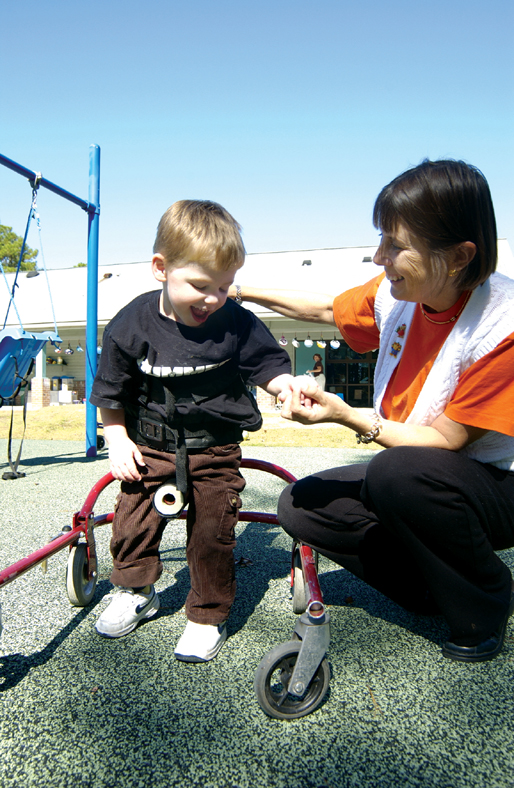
<point>487,319</point>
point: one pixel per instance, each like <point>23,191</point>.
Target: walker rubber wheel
<point>79,587</point>
<point>299,588</point>
<point>272,679</point>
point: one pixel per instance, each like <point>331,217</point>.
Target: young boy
<point>172,389</point>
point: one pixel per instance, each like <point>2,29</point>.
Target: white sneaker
<point>126,611</point>
<point>200,642</point>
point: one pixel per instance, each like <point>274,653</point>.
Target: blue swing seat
<point>18,348</point>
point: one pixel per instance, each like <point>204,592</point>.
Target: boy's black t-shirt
<point>206,369</point>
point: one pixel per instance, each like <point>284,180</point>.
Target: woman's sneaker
<point>200,642</point>
<point>125,612</point>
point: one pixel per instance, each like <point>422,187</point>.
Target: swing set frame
<point>92,208</point>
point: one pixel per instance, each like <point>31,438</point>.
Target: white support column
<point>41,363</point>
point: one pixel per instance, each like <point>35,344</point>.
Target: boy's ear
<point>159,267</point>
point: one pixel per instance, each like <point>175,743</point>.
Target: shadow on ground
<point>80,710</point>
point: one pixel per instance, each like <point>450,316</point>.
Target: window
<point>351,374</point>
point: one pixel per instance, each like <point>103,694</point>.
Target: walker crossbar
<point>62,540</point>
<point>20,567</point>
<point>85,521</point>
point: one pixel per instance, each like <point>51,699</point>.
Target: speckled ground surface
<point>80,710</point>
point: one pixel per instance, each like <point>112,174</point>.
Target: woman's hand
<point>308,404</point>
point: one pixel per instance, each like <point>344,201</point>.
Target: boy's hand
<point>289,385</point>
<point>124,458</point>
<point>282,386</point>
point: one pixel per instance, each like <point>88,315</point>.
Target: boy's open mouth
<point>200,315</point>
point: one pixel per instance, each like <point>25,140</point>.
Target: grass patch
<point>68,423</point>
<point>326,438</point>
<point>63,423</point>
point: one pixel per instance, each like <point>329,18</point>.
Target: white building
<point>315,270</point>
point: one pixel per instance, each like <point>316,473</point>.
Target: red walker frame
<point>292,679</point>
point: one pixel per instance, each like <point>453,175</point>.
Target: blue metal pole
<point>92,296</point>
<point>31,176</point>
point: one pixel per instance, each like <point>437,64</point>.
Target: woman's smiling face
<point>411,272</point>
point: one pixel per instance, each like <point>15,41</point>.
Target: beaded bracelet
<point>376,429</point>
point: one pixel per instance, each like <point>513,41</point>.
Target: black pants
<point>421,525</point>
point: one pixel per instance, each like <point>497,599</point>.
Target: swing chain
<point>35,183</point>
<point>35,186</point>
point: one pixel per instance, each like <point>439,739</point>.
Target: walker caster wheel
<point>299,587</point>
<point>79,587</point>
<point>272,679</point>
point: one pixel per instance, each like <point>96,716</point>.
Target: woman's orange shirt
<point>484,396</point>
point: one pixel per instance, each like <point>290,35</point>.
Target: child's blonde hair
<point>200,231</point>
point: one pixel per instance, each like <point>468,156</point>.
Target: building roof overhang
<point>315,271</point>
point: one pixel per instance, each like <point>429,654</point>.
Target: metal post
<point>93,210</point>
<point>31,176</point>
<point>92,296</point>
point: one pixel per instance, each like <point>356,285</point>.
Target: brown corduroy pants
<point>214,487</point>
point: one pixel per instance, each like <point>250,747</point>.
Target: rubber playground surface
<point>78,710</point>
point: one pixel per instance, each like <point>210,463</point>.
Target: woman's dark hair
<point>444,203</point>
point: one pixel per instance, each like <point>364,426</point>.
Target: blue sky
<point>293,115</point>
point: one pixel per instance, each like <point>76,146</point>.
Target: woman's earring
<point>452,272</point>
